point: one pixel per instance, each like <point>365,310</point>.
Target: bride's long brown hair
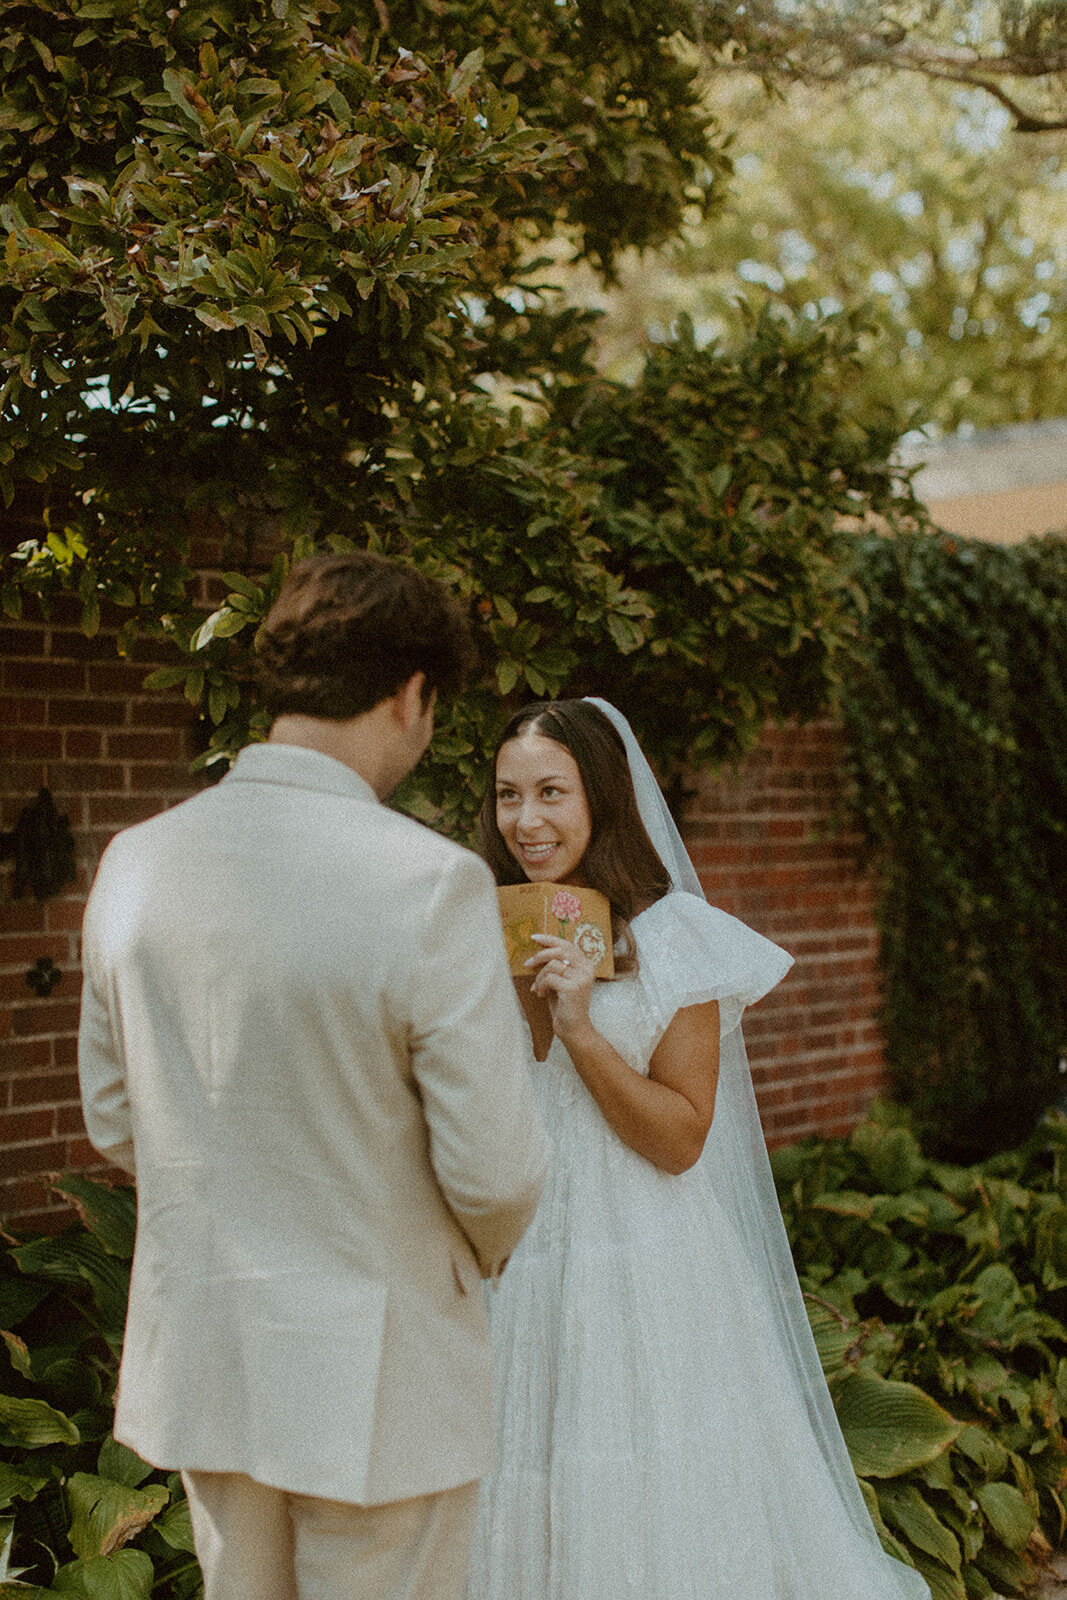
<point>620,859</point>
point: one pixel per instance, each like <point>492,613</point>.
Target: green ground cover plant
<point>938,1299</point>
<point>937,1295</point>
<point>80,1514</point>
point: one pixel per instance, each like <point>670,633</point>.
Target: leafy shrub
<point>938,1299</point>
<point>276,255</point>
<point>80,1514</point>
<point>957,726</point>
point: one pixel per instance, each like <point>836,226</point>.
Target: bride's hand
<point>564,976</point>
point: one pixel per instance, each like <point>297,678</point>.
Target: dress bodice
<point>687,952</point>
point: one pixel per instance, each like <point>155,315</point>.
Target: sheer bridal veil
<point>745,1188</point>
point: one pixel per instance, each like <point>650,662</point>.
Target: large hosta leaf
<point>76,1258</point>
<point>7,1538</point>
<point>1010,1516</point>
<point>979,1445</point>
<point>904,1508</point>
<point>18,1298</point>
<point>105,1514</point>
<point>109,1213</point>
<point>123,1465</point>
<point>1006,1570</point>
<point>890,1427</point>
<point>17,1350</point>
<point>892,1154</point>
<point>71,1385</point>
<point>890,1543</point>
<point>943,1585</point>
<point>834,1335</point>
<point>16,1485</point>
<point>128,1575</point>
<point>176,1527</point>
<point>35,1422</point>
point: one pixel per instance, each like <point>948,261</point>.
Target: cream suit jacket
<point>298,1029</point>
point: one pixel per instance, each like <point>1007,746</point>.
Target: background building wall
<point>1001,484</point>
<point>75,717</point>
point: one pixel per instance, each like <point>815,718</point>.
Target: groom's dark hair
<point>347,631</point>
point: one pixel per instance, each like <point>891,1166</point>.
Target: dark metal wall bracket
<point>43,847</point>
<point>44,976</point>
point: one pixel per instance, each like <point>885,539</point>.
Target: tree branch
<point>824,54</point>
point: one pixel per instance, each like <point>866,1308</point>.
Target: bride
<point>664,1430</point>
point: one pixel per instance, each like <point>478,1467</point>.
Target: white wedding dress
<point>663,1430</point>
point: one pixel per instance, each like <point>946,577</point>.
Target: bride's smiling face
<point>541,808</point>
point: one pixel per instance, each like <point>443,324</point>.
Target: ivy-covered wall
<point>957,725</point>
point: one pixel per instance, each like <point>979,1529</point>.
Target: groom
<point>299,1031</point>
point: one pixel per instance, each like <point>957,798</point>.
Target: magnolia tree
<point>268,267</point>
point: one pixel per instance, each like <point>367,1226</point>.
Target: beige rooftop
<point>1002,485</point>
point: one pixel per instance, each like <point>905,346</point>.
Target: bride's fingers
<point>564,974</point>
<point>550,961</point>
<point>560,951</point>
<point>559,977</point>
<point>551,975</point>
<point>550,946</point>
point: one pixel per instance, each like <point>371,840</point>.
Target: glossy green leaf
<point>890,1427</point>
<point>127,1575</point>
<point>18,1485</point>
<point>108,1211</point>
<point>1012,1519</point>
<point>904,1508</point>
<point>121,1464</point>
<point>175,1526</point>
<point>105,1515</point>
<point>35,1422</point>
<point>17,1351</point>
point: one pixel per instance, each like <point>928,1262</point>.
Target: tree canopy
<point>916,200</point>
<point>263,266</point>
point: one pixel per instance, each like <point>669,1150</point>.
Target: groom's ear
<point>408,704</point>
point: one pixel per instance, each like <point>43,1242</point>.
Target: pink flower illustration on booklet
<point>580,915</point>
<point>566,907</point>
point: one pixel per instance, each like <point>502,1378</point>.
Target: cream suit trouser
<point>258,1543</point>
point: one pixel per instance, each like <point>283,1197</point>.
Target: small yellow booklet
<point>581,915</point>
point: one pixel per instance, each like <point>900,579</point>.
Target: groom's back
<point>265,940</point>
<point>299,1030</point>
<point>270,956</point>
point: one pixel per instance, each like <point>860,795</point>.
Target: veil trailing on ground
<point>745,1187</point>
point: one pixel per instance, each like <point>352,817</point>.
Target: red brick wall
<point>762,841</point>
<point>75,717</point>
